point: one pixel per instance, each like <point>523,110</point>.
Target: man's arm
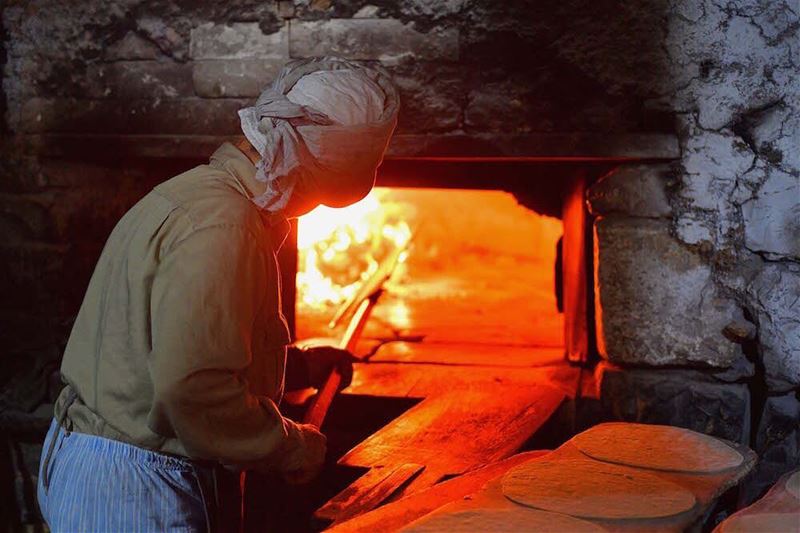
<point>206,297</point>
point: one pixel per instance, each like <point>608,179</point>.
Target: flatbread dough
<point>591,489</point>
<point>793,485</point>
<point>471,519</point>
<point>664,448</point>
<point>762,523</point>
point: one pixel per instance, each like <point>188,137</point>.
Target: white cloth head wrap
<point>323,125</point>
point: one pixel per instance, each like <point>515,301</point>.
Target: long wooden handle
<point>321,403</point>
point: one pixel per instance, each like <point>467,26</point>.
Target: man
<point>176,361</point>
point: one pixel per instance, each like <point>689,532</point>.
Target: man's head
<point>320,130</point>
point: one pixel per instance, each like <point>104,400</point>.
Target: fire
<point>340,248</point>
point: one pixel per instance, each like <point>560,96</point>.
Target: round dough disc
<point>456,518</point>
<point>591,489</point>
<point>664,448</point>
<point>793,485</point>
<point>761,523</point>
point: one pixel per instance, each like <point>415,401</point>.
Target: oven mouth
<point>474,268</point>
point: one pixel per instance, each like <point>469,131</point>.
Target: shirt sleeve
<point>296,369</point>
<point>207,294</point>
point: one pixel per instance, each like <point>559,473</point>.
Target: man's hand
<point>311,364</point>
<point>300,458</point>
<point>308,460</point>
<point>321,360</point>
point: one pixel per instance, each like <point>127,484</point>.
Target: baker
<point>177,360</point>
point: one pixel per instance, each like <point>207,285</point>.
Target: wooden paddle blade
<point>367,492</point>
<point>319,405</point>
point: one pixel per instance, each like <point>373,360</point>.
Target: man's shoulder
<point>206,198</point>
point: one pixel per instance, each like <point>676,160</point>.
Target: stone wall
<point>91,87</point>
<point>698,262</point>
<point>78,67</point>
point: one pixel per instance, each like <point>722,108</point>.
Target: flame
<point>340,248</point>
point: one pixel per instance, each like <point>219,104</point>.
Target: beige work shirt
<point>179,345</point>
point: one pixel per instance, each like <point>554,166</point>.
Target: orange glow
<point>340,248</point>
<point>480,268</point>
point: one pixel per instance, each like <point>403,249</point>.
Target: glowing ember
<point>339,248</point>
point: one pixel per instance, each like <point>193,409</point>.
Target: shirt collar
<point>232,160</point>
<point>229,158</point>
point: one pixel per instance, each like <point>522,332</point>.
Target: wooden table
<point>470,416</point>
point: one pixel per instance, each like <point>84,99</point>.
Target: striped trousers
<point>101,485</point>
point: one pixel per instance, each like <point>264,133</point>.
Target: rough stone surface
<point>139,79</point>
<point>692,229</point>
<point>215,78</point>
<point>514,112</point>
<point>711,162</point>
<point>131,47</point>
<point>727,59</point>
<point>191,116</point>
<point>656,300</point>
<point>387,40</point>
<point>634,189</point>
<point>164,35</point>
<point>777,444</point>
<point>772,217</point>
<point>775,294</point>
<point>774,133</point>
<point>238,41</point>
<point>426,109</point>
<point>731,78</point>
<point>682,398</point>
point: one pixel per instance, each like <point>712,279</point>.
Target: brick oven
<point>599,206</point>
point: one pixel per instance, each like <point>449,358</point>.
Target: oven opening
<point>472,277</point>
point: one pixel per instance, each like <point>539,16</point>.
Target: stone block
<point>683,398</point>
<point>195,116</point>
<point>776,134</point>
<point>426,108</point>
<point>435,8</point>
<point>712,163</point>
<point>139,79</point>
<point>775,296</point>
<point>131,46</point>
<point>215,78</point>
<point>285,9</point>
<point>387,40</point>
<point>656,302</point>
<point>504,106</point>
<point>169,40</point>
<point>239,40</point>
<point>772,217</point>
<point>635,190</point>
<point>694,228</point>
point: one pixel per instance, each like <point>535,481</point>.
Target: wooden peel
<point>322,401</point>
<point>366,298</point>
